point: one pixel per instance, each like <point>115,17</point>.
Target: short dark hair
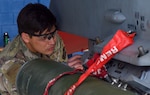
<point>35,18</point>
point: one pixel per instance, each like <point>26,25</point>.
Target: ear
<point>25,37</point>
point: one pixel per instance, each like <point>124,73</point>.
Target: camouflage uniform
<point>15,55</point>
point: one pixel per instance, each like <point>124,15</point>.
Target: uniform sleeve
<point>8,75</point>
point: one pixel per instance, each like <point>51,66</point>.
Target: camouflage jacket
<point>14,55</point>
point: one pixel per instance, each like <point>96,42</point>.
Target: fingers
<point>76,57</point>
<point>78,66</point>
<point>75,62</point>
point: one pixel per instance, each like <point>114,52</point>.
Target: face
<point>44,43</point>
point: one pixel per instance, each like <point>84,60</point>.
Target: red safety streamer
<point>99,73</point>
<point>119,41</point>
<point>53,81</point>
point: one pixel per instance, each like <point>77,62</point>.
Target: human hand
<point>75,62</point>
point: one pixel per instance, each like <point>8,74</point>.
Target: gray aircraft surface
<point>102,18</point>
